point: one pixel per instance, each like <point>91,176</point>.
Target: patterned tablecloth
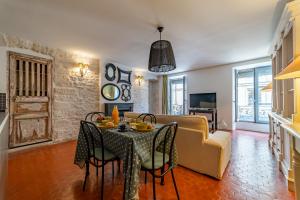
<point>132,147</point>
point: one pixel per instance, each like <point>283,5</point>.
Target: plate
<point>105,127</point>
<point>143,130</point>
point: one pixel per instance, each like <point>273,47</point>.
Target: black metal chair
<point>162,158</point>
<point>92,116</point>
<point>95,154</point>
<point>144,117</point>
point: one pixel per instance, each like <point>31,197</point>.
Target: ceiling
<point>203,33</point>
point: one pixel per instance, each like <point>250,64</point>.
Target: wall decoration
<point>110,72</point>
<point>124,76</point>
<point>139,79</point>
<point>110,92</point>
<point>126,93</point>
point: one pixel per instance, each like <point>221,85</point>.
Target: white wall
<point>217,79</point>
<point>3,70</point>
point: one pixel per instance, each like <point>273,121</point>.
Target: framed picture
<point>124,76</point>
<point>110,72</point>
<point>110,92</point>
<point>126,93</point>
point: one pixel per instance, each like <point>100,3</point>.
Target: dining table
<point>132,147</point>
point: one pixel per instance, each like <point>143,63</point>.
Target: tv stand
<point>213,121</point>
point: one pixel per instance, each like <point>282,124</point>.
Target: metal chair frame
<point>163,171</point>
<point>144,116</point>
<point>88,133</point>
<point>89,116</point>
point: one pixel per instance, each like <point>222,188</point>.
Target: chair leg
<point>87,172</point>
<point>124,190</point>
<point>119,164</point>
<point>97,168</point>
<point>102,182</point>
<point>145,176</point>
<point>162,179</point>
<point>153,183</point>
<point>174,182</point>
<point>113,167</point>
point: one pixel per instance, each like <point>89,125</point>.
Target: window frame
<point>172,80</point>
<point>256,94</point>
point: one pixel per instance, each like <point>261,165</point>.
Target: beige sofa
<point>197,149</point>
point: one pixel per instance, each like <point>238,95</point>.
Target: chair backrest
<point>92,116</point>
<point>144,116</point>
<point>164,140</point>
<point>92,137</point>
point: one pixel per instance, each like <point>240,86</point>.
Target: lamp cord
<point>160,35</point>
<point>160,45</point>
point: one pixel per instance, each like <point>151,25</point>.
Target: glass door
<point>263,106</point>
<point>252,104</point>
<point>177,96</point>
<point>245,95</point>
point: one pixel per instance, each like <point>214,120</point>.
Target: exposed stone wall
<point>140,96</point>
<point>73,96</point>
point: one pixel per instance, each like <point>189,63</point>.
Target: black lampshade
<point>161,57</point>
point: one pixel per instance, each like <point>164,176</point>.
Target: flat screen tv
<point>203,100</point>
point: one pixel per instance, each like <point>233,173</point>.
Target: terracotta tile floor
<point>49,173</point>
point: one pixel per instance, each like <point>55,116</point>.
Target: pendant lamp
<point>161,57</point>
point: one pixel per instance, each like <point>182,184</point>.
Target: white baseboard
<point>249,126</point>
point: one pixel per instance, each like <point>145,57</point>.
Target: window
<point>177,96</point>
<point>252,104</point>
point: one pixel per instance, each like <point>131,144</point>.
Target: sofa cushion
<point>196,122</point>
<point>220,138</point>
<point>158,161</point>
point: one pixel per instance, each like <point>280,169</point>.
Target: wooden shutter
<point>30,99</point>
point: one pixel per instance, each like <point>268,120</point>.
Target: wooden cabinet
<point>280,144</point>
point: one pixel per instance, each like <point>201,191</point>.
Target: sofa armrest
<point>220,141</point>
<point>209,156</point>
<point>193,134</point>
<point>188,142</point>
<point>219,138</point>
